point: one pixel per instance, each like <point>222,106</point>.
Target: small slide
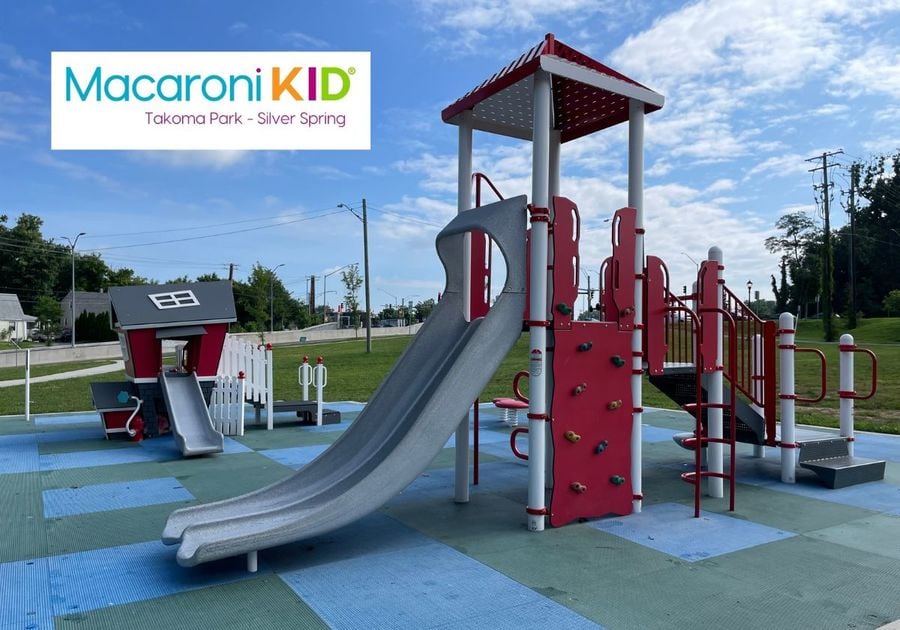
<point>189,415</point>
<point>406,423</point>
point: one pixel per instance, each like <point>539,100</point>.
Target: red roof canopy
<point>587,95</point>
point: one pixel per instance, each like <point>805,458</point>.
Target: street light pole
<point>272,297</point>
<point>749,287</point>
<point>72,244</point>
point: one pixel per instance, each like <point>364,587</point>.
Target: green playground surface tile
<point>18,426</point>
<point>446,458</point>
<point>96,530</point>
<point>877,534</point>
<point>21,517</point>
<point>80,477</point>
<point>225,476</point>
<point>263,602</point>
<point>286,437</point>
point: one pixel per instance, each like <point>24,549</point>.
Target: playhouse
<point>195,316</point>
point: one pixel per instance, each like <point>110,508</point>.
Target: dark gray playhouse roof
<point>168,305</point>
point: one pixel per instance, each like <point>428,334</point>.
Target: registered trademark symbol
<point>351,70</point>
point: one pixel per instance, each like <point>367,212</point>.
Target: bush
<point>891,303</point>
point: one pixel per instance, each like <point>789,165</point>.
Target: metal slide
<point>406,423</point>
<point>189,415</point>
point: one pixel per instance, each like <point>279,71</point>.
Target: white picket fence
<point>255,362</point>
<point>226,405</point>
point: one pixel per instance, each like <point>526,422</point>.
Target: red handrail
<point>478,178</point>
<point>512,442</point>
<point>874,372</point>
<point>824,376</point>
<point>516,391</point>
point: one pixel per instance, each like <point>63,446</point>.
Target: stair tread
<point>842,463</point>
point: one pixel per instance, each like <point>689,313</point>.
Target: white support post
<point>305,377</point>
<point>252,561</point>
<point>715,450</point>
<point>28,384</point>
<point>759,450</point>
<point>270,389</point>
<point>788,434</point>
<point>847,391</point>
<point>553,190</point>
<point>463,203</point>
<point>320,380</point>
<point>636,201</point>
<point>537,307</point>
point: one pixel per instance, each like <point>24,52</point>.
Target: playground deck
<point>82,518</point>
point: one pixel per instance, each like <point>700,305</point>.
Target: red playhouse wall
<point>145,353</point>
<point>202,353</point>
<point>117,419</point>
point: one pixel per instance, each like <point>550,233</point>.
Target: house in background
<point>14,323</point>
<point>85,302</point>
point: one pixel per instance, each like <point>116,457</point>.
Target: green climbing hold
<point>601,447</point>
<point>617,360</point>
<point>617,480</point>
<point>564,309</point>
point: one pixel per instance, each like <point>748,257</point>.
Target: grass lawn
<point>12,373</point>
<point>354,375</point>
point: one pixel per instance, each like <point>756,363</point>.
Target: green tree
<point>352,282</point>
<point>799,244</point>
<point>48,313</point>
<point>423,309</point>
<point>892,303</point>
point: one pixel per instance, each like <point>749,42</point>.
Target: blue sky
<point>753,88</point>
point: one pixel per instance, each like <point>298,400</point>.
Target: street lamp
<point>272,297</point>
<point>72,244</point>
<point>408,308</point>
<point>365,222</point>
<point>691,259</point>
<point>749,287</point>
<point>325,287</point>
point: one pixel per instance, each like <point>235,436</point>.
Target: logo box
<point>210,100</point>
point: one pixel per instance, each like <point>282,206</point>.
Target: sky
<point>753,89</point>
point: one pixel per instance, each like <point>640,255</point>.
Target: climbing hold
<point>572,436</point>
<point>578,487</point>
<point>617,360</point>
<point>580,388</point>
<point>617,480</point>
<point>601,447</point>
<point>587,345</point>
<point>564,308</point>
<point>614,404</point>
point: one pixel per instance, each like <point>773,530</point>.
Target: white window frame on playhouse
<point>174,299</point>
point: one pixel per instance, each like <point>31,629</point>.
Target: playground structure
<point>158,397</point>
<point>585,378</point>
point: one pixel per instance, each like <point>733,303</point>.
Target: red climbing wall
<point>590,413</point>
<point>591,422</point>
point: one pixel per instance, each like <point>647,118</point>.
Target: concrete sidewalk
<point>100,369</point>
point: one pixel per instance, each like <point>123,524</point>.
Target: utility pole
<point>854,184</point>
<point>827,257</point>
<point>365,221</point>
<point>73,243</point>
<point>231,273</point>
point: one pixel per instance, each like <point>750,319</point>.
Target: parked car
<point>65,335</point>
<point>38,335</point>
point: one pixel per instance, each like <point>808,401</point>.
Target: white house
<point>14,323</point>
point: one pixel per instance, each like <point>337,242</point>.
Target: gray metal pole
<point>73,293</point>
<point>271,301</point>
<point>368,290</point>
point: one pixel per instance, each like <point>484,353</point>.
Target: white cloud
<point>301,40</point>
<point>10,134</point>
<point>788,165</point>
<point>721,185</point>
<point>328,172</point>
<point>215,160</point>
<point>17,63</point>
<point>78,171</point>
<point>238,27</point>
<point>875,71</point>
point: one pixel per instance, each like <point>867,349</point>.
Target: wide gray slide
<point>405,424</point>
<point>189,415</point>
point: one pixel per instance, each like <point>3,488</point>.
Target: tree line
<point>873,240</point>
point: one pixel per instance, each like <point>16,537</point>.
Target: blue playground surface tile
<point>878,496</point>
<point>651,434</point>
<point>96,579</point>
<point>886,447</point>
<point>31,609</point>
<point>382,574</point>
<point>69,418</point>
<point>113,496</point>
<point>56,436</point>
<point>485,436</point>
<point>296,457</point>
<point>21,457</point>
<point>672,529</point>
